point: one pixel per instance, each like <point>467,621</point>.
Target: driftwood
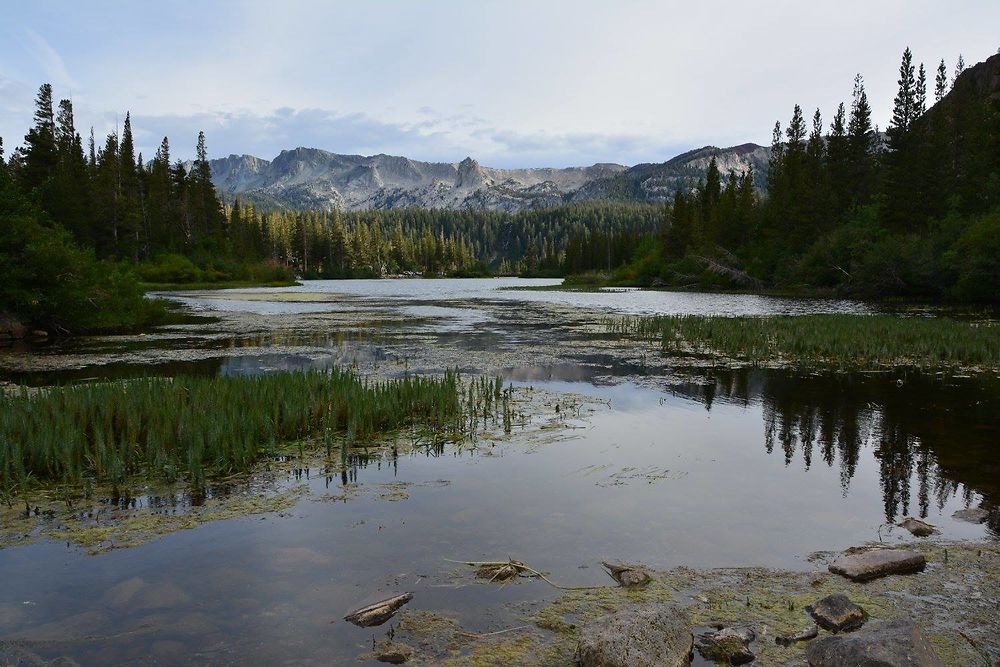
<point>379,612</point>
<point>805,635</point>
<point>736,275</point>
<point>505,570</point>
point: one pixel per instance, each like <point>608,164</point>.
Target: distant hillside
<point>658,182</point>
<point>310,178</point>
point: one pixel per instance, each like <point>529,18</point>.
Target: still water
<point>676,464</point>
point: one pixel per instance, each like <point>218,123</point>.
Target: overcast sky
<point>510,83</point>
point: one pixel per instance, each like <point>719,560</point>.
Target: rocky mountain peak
<point>310,178</point>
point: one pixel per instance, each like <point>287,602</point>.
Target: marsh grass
<point>847,340</point>
<point>85,436</point>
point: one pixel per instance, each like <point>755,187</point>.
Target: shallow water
<point>676,465</point>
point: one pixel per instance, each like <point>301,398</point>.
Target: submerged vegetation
<point>157,429</point>
<point>880,340</point>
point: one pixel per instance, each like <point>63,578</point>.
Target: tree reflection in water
<point>933,437</point>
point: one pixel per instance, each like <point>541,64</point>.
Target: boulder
<point>730,646</point>
<point>836,613</point>
<point>972,515</point>
<point>656,635</point>
<point>628,576</point>
<point>865,564</point>
<point>886,644</point>
<point>917,527</point>
<point>11,327</point>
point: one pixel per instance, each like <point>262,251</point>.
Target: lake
<point>667,462</point>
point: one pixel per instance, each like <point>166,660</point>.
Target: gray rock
<point>728,646</point>
<point>628,576</point>
<point>837,613</point>
<point>865,564</point>
<point>972,515</point>
<point>656,635</point>
<point>886,644</point>
<point>917,527</point>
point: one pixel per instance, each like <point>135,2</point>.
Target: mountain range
<point>310,178</point>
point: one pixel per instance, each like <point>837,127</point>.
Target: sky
<point>511,83</point>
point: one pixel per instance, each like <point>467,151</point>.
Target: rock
<point>886,644</point>
<point>378,613</point>
<point>802,636</point>
<point>656,635</point>
<point>917,527</point>
<point>11,327</point>
<point>122,593</point>
<point>393,653</point>
<point>972,515</point>
<point>39,334</point>
<point>728,646</point>
<point>837,613</point>
<point>163,595</point>
<point>628,576</point>
<point>865,564</point>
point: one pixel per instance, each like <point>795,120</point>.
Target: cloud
<point>48,59</point>
<point>438,139</point>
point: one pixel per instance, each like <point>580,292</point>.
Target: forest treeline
<point>913,211</point>
<point>344,244</point>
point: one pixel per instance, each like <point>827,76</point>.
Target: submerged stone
<point>837,613</point>
<point>972,515</point>
<point>656,635</point>
<point>887,644</point>
<point>393,653</point>
<point>865,564</point>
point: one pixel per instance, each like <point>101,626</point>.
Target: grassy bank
<point>111,434</point>
<point>213,285</point>
<point>879,340</point>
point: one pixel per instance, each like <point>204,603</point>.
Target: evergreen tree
<point>838,159</point>
<point>129,218</point>
<point>861,145</point>
<point>920,98</point>
<point>940,82</point>
<point>904,109</point>
<point>38,157</point>
<point>959,68</point>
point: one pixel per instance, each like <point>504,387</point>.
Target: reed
<point>168,429</point>
<point>853,340</point>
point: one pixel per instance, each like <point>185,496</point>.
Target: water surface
<point>677,464</point>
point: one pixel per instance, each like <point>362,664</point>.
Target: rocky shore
<point>928,604</point>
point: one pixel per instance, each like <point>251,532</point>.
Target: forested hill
<point>913,211</point>
<point>309,178</point>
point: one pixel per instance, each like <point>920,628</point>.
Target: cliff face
<point>309,178</point>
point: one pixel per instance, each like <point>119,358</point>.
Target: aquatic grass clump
<point>829,339</point>
<point>167,429</point>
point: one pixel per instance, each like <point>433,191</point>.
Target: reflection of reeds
<point>161,429</point>
<point>833,339</point>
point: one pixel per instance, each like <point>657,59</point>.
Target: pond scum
<point>81,437</point>
<point>828,339</point>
